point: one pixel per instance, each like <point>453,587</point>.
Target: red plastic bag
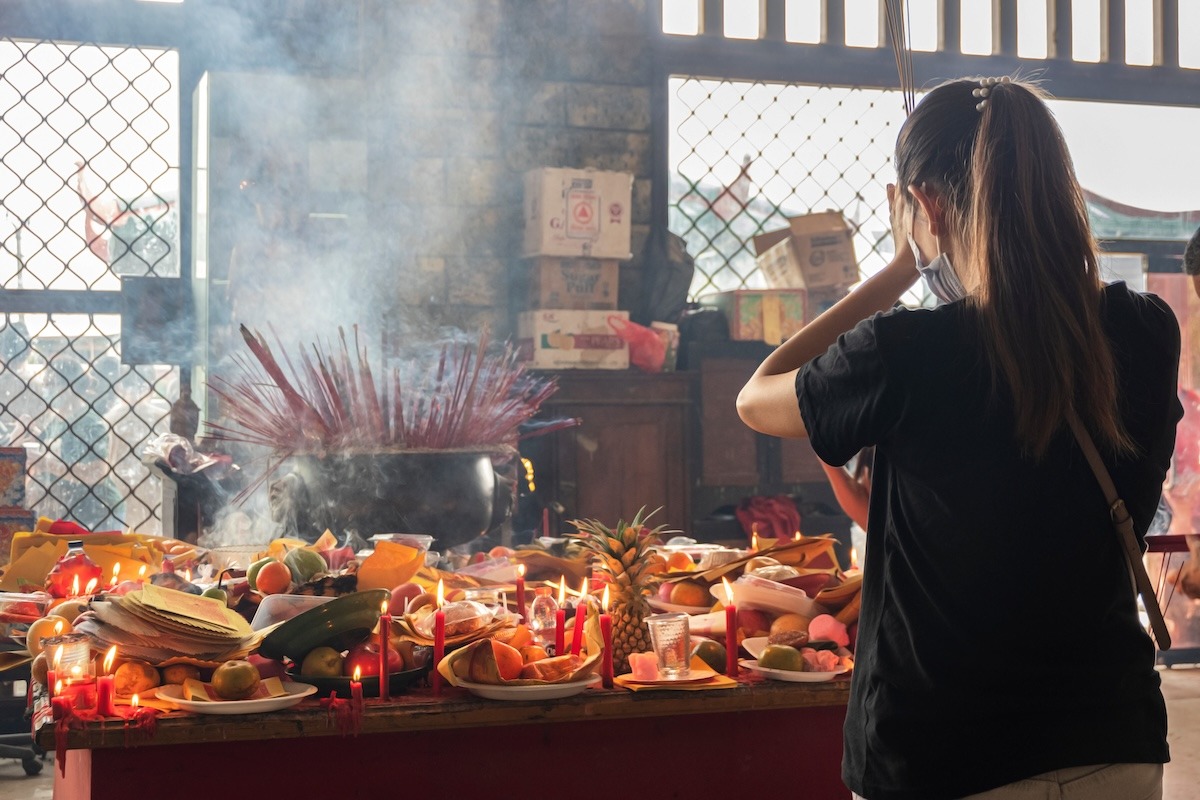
<point>647,350</point>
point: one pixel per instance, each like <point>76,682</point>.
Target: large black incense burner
<point>448,495</point>
<point>411,448</point>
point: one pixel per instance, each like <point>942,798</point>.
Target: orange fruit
<point>520,637</point>
<point>46,628</point>
<point>273,578</point>
<point>680,562</point>
<point>690,593</point>
<point>533,652</point>
<point>790,622</point>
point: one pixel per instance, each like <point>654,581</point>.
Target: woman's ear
<point>931,207</point>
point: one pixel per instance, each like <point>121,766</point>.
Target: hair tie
<point>985,88</point>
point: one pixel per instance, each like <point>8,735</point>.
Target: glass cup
<point>671,639</point>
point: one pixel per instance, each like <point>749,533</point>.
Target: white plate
<point>295,693</point>
<point>693,676</point>
<point>789,675</point>
<point>533,691</point>
<point>660,605</point>
<point>755,645</point>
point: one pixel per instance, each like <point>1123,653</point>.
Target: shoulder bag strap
<point>1124,527</point>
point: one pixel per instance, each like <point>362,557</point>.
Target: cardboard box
<point>762,315</point>
<point>12,476</point>
<point>575,212</point>
<point>815,251</point>
<point>571,339</point>
<point>578,283</point>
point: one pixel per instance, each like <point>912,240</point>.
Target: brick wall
<point>472,94</point>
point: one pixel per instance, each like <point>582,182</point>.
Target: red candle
<point>53,685</point>
<point>356,695</point>
<point>731,642</point>
<point>439,638</point>
<point>580,619</point>
<point>560,619</point>
<point>606,669</point>
<point>546,522</point>
<point>385,632</point>
<point>105,690</point>
<point>521,591</point>
<point>60,704</point>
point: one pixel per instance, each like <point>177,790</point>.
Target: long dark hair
<point>1016,214</point>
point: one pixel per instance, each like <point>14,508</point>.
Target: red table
<point>753,740</point>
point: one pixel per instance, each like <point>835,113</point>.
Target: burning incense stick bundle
<point>469,398</point>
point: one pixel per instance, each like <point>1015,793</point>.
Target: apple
<point>753,622</point>
<point>402,594</point>
<point>323,662</point>
<point>499,551</point>
<point>365,656</point>
<point>267,667</point>
<point>664,592</point>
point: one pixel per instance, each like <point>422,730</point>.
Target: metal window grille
<point>745,156</point>
<point>89,185</point>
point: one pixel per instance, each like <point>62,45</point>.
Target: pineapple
<point>624,555</point>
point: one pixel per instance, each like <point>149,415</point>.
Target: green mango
<point>304,564</point>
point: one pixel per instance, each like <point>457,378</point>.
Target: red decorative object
<point>580,619</point>
<point>439,638</point>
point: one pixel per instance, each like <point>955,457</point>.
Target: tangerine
<point>680,562</point>
<point>690,593</point>
<point>273,578</point>
<point>533,652</point>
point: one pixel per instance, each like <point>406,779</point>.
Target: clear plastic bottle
<point>73,572</point>
<point>542,616</point>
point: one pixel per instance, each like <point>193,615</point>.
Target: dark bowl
<point>341,623</point>
<point>398,682</point>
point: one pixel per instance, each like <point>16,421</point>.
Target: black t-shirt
<point>999,637</point>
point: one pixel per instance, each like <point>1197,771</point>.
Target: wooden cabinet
<point>632,447</point>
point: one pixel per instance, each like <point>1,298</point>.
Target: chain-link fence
<point>745,156</point>
<point>89,184</point>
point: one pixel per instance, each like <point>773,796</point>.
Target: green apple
<point>218,593</point>
<point>322,662</point>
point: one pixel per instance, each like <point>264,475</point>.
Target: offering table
<point>746,741</point>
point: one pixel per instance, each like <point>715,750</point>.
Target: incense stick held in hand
<point>896,12</point>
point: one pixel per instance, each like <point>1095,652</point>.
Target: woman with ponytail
<point>999,652</point>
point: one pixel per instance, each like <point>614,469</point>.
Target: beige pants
<point>1102,782</point>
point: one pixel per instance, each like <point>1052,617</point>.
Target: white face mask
<point>939,274</point>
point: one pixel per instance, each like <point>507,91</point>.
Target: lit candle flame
<point>521,570</point>
<point>75,586</point>
<point>728,592</point>
<point>604,600</point>
<point>853,558</point>
<point>357,674</point>
<point>142,572</point>
<point>797,536</point>
<point>187,574</point>
<point>57,688</point>
<point>116,573</point>
<point>57,656</point>
<point>754,541</point>
<point>583,590</point>
<point>58,627</point>
<point>109,658</point>
<point>133,701</point>
<point>91,587</point>
<point>562,591</point>
<point>76,672</point>
<point>441,595</point>
<point>383,607</point>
